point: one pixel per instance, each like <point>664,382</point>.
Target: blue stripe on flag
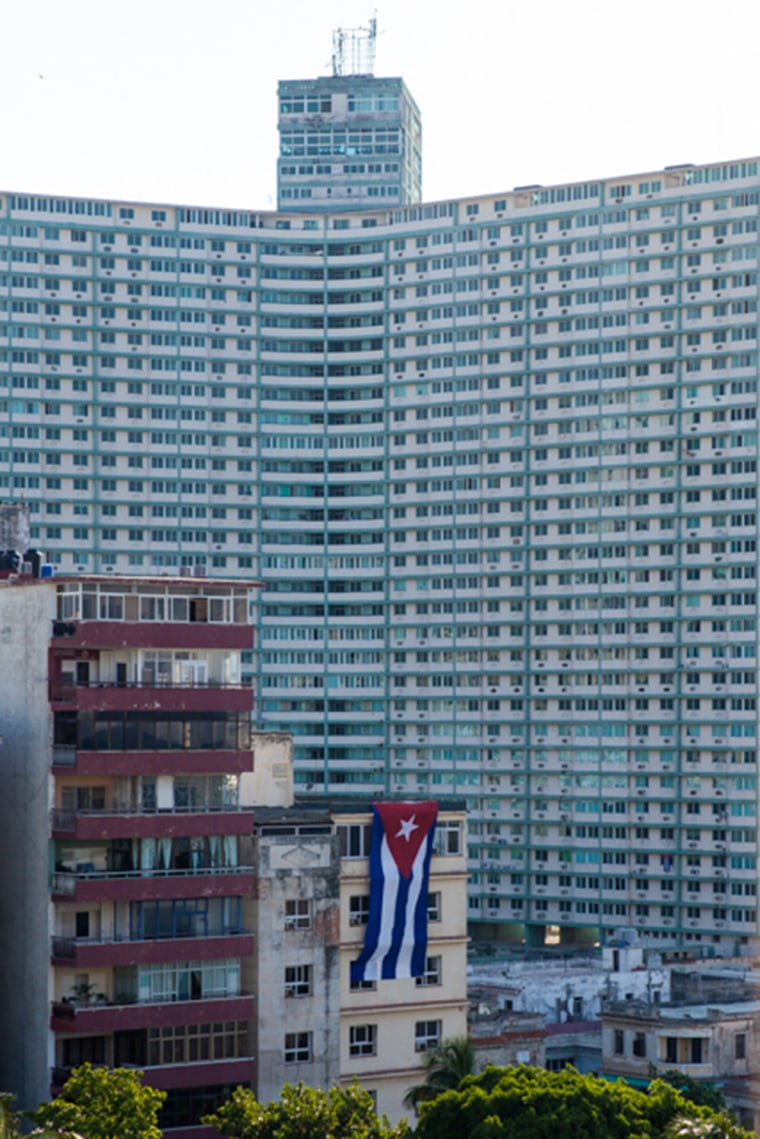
<point>409,929</point>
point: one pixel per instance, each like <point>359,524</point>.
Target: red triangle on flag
<point>406,827</point>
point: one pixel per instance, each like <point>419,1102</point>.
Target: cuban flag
<point>395,944</point>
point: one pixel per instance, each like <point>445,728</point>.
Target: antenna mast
<point>354,50</point>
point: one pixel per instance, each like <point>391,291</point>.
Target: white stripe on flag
<point>404,961</point>
<point>390,893</point>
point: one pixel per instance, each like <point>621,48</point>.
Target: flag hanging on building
<point>395,944</point>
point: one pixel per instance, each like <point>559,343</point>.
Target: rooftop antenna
<point>354,50</point>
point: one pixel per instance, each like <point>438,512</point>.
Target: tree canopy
<point>698,1091</point>
<point>304,1113</point>
<point>97,1103</point>
<point>535,1104</point>
<point>445,1068</point>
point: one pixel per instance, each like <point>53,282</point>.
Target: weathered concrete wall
<point>25,800</point>
<point>290,868</point>
<point>270,784</point>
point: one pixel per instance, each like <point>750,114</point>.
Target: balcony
<point>196,1074</point>
<point>84,953</point>
<point>104,1017</point>
<point>134,822</point>
<point>142,761</point>
<point>145,696</point>
<point>106,634</point>
<point>144,885</point>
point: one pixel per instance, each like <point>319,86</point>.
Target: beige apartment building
<point>314,1024</point>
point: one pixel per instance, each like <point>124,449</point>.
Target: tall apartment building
<point>351,140</point>
<point>495,463</point>
<point>130,941</point>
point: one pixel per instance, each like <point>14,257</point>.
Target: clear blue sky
<point>174,100</point>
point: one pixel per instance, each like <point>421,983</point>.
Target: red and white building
<point>130,775</point>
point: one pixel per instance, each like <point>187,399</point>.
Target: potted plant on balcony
<point>84,993</point>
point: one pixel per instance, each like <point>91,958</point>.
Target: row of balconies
<point>117,1015</point>
<point>117,822</point>
<point>90,953</point>
<point>116,696</point>
<point>235,1072</point>
<point>142,885</point>
<point>553,912</point>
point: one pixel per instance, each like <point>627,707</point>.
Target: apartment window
<point>448,838</point>
<point>355,840</point>
<point>434,907</point>
<point>84,799</point>
<point>298,980</point>
<point>358,909</point>
<point>618,1043</point>
<point>362,986</point>
<point>740,1046</point>
<point>432,974</point>
<point>297,1048</point>
<point>84,1049</point>
<point>362,1040</point>
<point>640,1045</point>
<point>298,913</point>
<point>183,1044</point>
<point>427,1034</point>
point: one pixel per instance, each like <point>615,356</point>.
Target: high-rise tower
<point>495,463</point>
<point>349,140</point>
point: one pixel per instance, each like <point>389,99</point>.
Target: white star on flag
<point>406,828</point>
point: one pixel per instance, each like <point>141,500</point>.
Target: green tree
<point>9,1117</point>
<point>700,1092</point>
<point>445,1068</point>
<point>502,1103</point>
<point>96,1103</point>
<point>305,1113</point>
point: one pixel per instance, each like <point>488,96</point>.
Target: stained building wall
<point>25,799</point>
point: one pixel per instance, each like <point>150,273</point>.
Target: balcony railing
<point>59,1075</point>
<point>68,1009</point>
<point>65,881</point>
<point>70,686</point>
<point>66,947</point>
<point>63,820</point>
